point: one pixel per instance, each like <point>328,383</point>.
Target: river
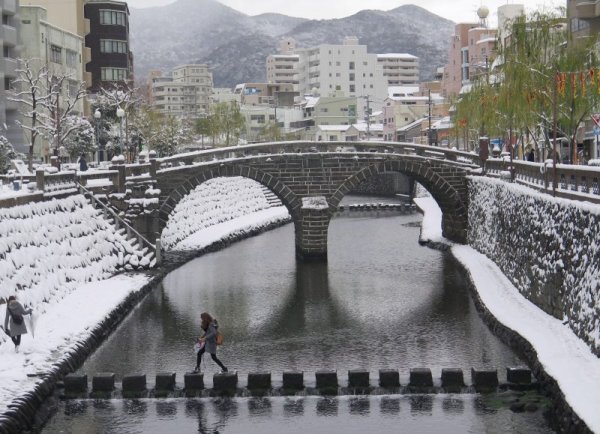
<point>381,301</point>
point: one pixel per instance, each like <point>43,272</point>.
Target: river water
<point>381,301</point>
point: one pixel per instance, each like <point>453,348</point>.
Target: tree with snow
<point>81,141</point>
<point>47,99</point>
<point>7,153</point>
<point>228,121</point>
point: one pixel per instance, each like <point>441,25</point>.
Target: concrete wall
<point>549,248</point>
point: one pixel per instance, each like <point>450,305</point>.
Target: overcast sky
<point>455,10</point>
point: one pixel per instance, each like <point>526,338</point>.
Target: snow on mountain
<point>236,45</point>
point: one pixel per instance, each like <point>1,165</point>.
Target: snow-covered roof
<point>396,91</point>
<point>443,124</point>
<point>412,125</point>
<point>362,127</point>
<point>334,127</point>
<point>396,56</point>
<point>311,101</point>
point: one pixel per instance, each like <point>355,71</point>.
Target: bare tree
<point>47,100</point>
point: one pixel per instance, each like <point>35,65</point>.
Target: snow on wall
<point>215,201</point>
<point>549,248</point>
<point>48,249</point>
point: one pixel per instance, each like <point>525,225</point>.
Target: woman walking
<point>209,338</point>
<point>14,316</point>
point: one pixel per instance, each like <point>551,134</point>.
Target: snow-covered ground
<point>58,330</point>
<point>63,253</point>
<point>68,320</point>
<point>564,356</point>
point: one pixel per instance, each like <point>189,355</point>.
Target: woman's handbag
<point>219,338</point>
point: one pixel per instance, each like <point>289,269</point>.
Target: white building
<point>283,69</point>
<point>400,69</point>
<point>186,94</point>
<point>327,69</point>
<point>9,111</point>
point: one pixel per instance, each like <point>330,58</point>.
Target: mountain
<point>236,45</point>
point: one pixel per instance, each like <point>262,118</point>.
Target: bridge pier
<point>311,234</point>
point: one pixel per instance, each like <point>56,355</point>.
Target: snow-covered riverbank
<point>563,355</point>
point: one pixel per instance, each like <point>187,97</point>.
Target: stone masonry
<point>293,177</point>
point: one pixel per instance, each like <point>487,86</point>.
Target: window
<point>6,51</point>
<point>73,88</point>
<point>114,74</point>
<point>352,88</point>
<point>112,18</point>
<point>113,46</point>
<point>351,66</point>
<point>351,76</point>
<point>6,83</point>
<point>5,20</point>
<point>72,58</point>
<point>55,54</point>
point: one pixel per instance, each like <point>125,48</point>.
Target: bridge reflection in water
<point>416,414</point>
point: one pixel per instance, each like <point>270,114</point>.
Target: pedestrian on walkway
<point>82,163</point>
<point>14,317</point>
<point>209,338</point>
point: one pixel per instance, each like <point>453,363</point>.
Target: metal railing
<point>131,232</point>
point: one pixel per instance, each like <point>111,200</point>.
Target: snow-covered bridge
<point>312,178</point>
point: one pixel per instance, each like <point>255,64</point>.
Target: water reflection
<point>432,414</point>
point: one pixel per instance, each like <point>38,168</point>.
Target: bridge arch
<point>283,192</point>
<point>453,204</point>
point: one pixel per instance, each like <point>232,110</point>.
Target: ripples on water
<point>446,414</point>
<point>382,301</point>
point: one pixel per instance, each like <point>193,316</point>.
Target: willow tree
<point>537,62</point>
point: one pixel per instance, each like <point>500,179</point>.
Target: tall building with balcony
<point>400,69</point>
<point>108,40</point>
<point>186,94</point>
<point>68,15</point>
<point>60,50</point>
<point>349,68</point>
<point>9,110</point>
<point>282,68</point>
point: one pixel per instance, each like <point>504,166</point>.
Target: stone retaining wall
<point>549,249</point>
<point>562,414</point>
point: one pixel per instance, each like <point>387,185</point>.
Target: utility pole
<point>429,130</point>
<point>368,115</point>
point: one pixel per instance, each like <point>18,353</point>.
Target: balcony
<point>10,7</point>
<point>587,10</point>
<point>9,35</point>
<point>9,66</point>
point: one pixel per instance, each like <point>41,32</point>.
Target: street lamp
<point>120,114</point>
<point>98,116</point>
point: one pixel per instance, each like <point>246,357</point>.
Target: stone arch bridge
<point>311,178</point>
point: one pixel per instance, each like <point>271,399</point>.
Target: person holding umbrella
<point>14,318</point>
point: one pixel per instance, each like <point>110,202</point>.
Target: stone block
<point>452,378</point>
<point>259,380</point>
<point>165,381</point>
<point>225,382</point>
<point>389,378</point>
<point>358,378</point>
<point>193,381</point>
<point>484,379</point>
<point>518,375</point>
<point>293,380</point>
<point>103,382</point>
<point>76,383</point>
<point>134,383</point>
<point>326,379</point>
<point>421,377</point>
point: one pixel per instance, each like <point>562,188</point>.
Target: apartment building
<point>349,68</point>
<point>277,95</point>
<point>283,69</point>
<point>584,17</point>
<point>60,50</point>
<point>9,110</point>
<point>108,40</point>
<point>186,94</point>
<point>400,69</point>
<point>68,15</point>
